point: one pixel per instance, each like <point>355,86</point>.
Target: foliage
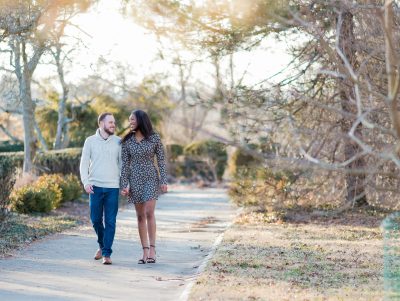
<point>264,188</point>
<point>41,196</point>
<point>213,153</point>
<point>174,151</point>
<point>9,146</point>
<point>70,186</point>
<point>64,161</point>
<point>219,25</point>
<point>149,95</point>
<point>83,124</point>
<point>195,170</point>
<point>7,179</point>
<point>241,158</point>
<point>46,193</point>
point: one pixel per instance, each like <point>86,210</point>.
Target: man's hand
<point>89,188</point>
<point>164,188</point>
<point>125,191</point>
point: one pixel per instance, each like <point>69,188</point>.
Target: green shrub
<point>16,157</point>
<point>212,153</point>
<point>176,169</point>
<point>41,196</point>
<point>174,151</point>
<point>65,161</point>
<point>241,158</point>
<point>70,186</point>
<point>262,187</point>
<point>8,172</point>
<point>196,169</point>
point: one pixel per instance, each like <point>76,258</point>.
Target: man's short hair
<point>102,116</point>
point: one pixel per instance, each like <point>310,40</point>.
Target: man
<point>100,169</point>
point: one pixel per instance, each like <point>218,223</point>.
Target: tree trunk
<point>40,136</point>
<point>219,93</point>
<point>61,122</point>
<point>28,115</point>
<point>24,71</point>
<point>9,135</point>
<point>65,140</point>
<point>355,183</point>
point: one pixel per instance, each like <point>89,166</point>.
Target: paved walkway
<point>61,267</point>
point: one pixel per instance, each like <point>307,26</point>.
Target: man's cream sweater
<point>101,161</point>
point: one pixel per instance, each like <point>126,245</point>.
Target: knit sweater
<point>101,161</point>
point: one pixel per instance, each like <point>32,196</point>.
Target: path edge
<point>186,293</point>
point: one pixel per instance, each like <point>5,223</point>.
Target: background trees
<point>330,116</point>
<point>332,111</point>
<point>26,28</point>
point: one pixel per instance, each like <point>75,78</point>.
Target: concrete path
<point>61,267</point>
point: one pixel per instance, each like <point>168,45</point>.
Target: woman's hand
<point>164,188</point>
<point>125,191</point>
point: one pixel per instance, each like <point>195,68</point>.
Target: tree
<point>337,109</point>
<point>26,30</point>
<point>213,153</point>
<point>346,38</point>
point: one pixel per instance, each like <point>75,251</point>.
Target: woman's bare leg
<point>142,227</point>
<point>151,225</point>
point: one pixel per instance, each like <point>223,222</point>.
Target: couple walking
<point>108,164</point>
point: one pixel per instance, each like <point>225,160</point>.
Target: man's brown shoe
<point>107,260</point>
<point>98,255</point>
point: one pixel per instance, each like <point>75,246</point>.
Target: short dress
<point>139,170</point>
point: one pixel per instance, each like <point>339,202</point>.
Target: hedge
<point>64,162</point>
<point>8,172</point>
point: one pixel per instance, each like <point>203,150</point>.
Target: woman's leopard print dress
<point>139,170</point>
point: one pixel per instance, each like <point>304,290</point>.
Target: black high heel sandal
<point>143,261</point>
<point>151,259</point>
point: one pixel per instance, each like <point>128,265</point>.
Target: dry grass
<point>18,230</point>
<point>312,256</point>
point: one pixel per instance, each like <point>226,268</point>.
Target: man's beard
<point>108,131</point>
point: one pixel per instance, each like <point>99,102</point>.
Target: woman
<point>140,180</point>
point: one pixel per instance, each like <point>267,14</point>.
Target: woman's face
<point>132,122</point>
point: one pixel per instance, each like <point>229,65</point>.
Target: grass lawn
<point>17,230</point>
<point>313,255</point>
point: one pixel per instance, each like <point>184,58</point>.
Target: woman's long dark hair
<point>143,125</point>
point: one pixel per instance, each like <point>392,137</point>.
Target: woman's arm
<point>160,154</point>
<point>126,163</point>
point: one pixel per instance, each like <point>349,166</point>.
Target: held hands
<point>125,191</point>
<point>164,188</point>
<point>89,189</point>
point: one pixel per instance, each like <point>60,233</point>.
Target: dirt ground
<point>313,255</point>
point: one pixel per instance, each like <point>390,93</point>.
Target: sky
<point>109,34</point>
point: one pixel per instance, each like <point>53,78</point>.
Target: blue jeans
<point>104,202</point>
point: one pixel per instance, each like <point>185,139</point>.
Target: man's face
<point>108,124</point>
